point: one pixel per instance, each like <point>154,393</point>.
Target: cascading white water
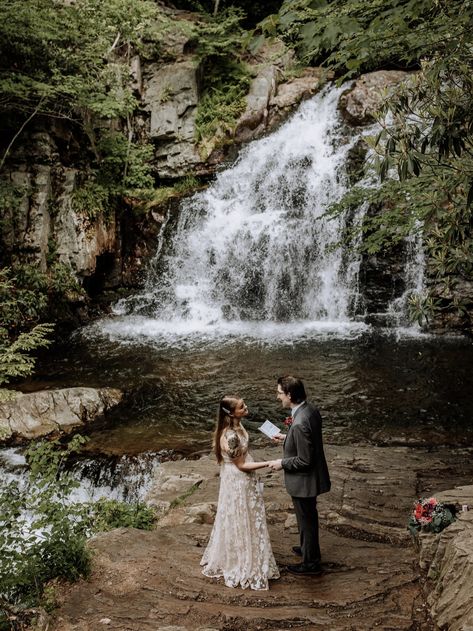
<point>398,309</point>
<point>125,479</point>
<point>255,246</point>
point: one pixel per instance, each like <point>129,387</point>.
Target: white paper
<point>269,429</point>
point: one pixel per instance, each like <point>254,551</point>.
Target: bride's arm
<point>248,466</point>
<point>232,445</point>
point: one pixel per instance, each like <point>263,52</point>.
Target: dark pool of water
<point>372,388</point>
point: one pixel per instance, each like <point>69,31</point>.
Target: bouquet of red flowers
<point>429,515</point>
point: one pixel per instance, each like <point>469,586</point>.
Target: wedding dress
<point>239,549</point>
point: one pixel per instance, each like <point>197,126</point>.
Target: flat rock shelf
<point>150,581</point>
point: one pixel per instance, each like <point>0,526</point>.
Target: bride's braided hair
<point>224,419</point>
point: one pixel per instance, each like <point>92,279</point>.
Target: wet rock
<point>254,118</point>
<point>271,100</point>
<point>292,92</point>
<point>80,240</point>
<point>359,104</point>
<point>48,412</point>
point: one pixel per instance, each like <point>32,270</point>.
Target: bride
<point>239,549</point>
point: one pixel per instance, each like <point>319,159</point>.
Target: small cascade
<point>398,309</point>
<point>124,478</point>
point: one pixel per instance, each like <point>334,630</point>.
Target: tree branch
<point>12,141</point>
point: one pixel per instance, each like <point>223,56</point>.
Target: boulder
<point>292,92</point>
<point>254,118</point>
<point>359,103</point>
<point>48,412</point>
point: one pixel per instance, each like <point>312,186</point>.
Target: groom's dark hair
<point>294,387</point>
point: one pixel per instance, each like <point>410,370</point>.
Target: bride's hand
<point>275,465</point>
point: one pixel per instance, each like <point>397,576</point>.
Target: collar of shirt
<point>296,407</point>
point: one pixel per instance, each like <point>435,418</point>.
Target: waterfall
<point>398,309</point>
<point>256,255</point>
<point>256,246</point>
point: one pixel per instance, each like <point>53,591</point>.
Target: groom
<point>305,470</point>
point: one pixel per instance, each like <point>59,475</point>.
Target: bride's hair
<point>224,419</point>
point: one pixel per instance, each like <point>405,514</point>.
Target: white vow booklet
<point>269,429</point>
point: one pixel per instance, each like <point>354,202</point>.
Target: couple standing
<point>239,549</point>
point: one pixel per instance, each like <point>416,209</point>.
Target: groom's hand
<point>278,438</point>
<point>275,465</point>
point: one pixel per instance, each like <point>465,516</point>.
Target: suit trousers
<point>308,523</point>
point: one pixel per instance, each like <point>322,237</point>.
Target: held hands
<point>274,465</point>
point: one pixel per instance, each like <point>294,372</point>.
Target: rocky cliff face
<point>49,165</point>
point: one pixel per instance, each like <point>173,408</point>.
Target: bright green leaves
<point>15,357</point>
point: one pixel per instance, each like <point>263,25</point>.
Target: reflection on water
<point>369,387</point>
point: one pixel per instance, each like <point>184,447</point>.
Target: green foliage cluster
<point>354,36</point>
<point>53,544</point>
<point>124,172</point>
<point>429,143</point>
<point>221,43</point>
<point>71,60</point>
<point>108,514</point>
<point>27,295</point>
<point>15,357</point>
<point>56,61</point>
<point>253,11</point>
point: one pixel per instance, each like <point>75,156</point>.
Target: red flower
<point>288,421</point>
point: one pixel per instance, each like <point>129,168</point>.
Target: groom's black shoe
<point>297,550</point>
<point>305,569</point>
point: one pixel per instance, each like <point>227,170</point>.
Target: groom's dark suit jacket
<point>305,468</point>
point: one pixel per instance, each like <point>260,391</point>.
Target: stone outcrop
<point>171,95</point>
<point>54,412</point>
<point>447,559</point>
<point>359,103</point>
<point>270,99</point>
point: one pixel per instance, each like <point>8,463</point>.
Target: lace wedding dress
<point>239,549</point>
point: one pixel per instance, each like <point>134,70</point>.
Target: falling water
<point>398,309</point>
<point>256,246</point>
<point>125,478</point>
